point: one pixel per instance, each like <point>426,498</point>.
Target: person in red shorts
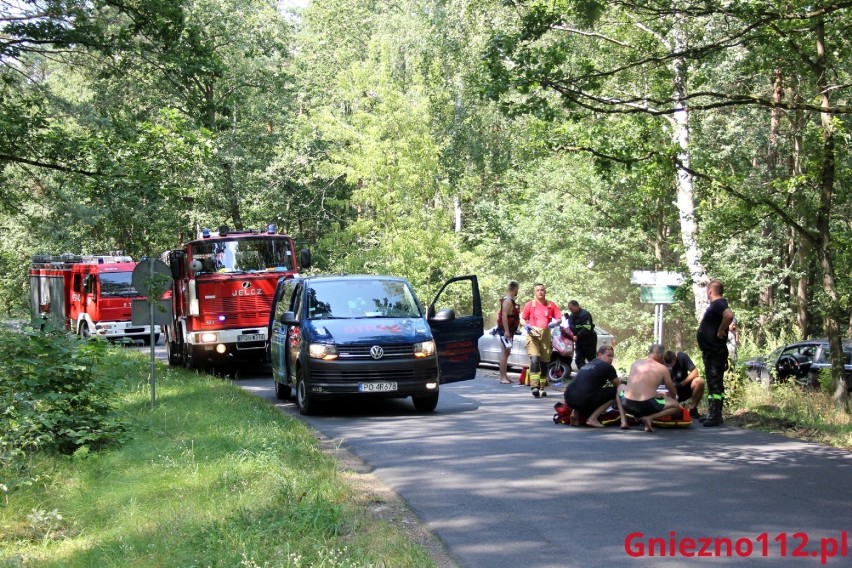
<point>539,316</point>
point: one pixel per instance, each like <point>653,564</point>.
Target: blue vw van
<point>369,336</point>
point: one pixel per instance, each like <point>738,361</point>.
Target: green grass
<point>789,410</point>
<point>212,476</point>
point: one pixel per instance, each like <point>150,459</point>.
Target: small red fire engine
<point>90,295</point>
<point>222,293</point>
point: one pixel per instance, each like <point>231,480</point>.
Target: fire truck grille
<point>245,306</point>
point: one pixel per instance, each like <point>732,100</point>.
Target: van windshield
<point>342,299</point>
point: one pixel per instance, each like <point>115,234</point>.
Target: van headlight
<point>322,351</point>
<point>424,349</point>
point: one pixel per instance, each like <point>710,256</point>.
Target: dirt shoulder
<point>383,503</point>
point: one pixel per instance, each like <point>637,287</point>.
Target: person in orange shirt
<point>539,316</point>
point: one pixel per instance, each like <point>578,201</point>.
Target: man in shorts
<point>686,380</point>
<point>587,393</point>
<point>639,397</point>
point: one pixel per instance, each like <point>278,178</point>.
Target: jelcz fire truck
<point>222,293</point>
<point>90,295</point>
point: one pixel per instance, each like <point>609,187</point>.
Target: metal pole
<point>151,335</point>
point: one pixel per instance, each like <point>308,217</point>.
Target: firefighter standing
<point>713,341</point>
<point>539,316</point>
<point>585,337</point>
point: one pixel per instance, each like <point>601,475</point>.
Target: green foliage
<point>56,397</point>
<point>544,128</point>
<point>213,476</point>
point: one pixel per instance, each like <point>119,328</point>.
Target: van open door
<point>455,316</point>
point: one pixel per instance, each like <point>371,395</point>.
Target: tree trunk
<point>457,213</point>
<point>232,197</point>
<point>766,299</point>
<point>803,312</point>
<point>823,243</point>
<point>685,182</point>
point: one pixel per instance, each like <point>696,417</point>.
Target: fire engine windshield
<point>244,255</point>
<point>117,284</point>
<point>336,299</point>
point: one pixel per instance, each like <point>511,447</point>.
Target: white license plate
<point>376,387</point>
<point>249,337</point>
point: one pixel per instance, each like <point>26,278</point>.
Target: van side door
<point>278,348</point>
<point>455,316</point>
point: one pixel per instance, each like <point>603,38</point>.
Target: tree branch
<point>38,164</point>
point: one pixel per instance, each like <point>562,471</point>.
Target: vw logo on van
<point>376,352</point>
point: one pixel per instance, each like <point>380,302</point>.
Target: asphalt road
<point>501,485</point>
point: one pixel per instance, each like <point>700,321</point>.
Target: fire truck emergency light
<point>270,229</point>
<point>205,233</point>
<point>221,317</point>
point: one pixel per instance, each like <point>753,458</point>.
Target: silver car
<point>490,348</point>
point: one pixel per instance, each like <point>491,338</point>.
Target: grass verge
<point>212,476</point>
<point>789,410</point>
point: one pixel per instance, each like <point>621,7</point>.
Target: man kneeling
<point>639,397</point>
<point>588,394</point>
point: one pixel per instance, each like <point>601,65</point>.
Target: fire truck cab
<point>90,295</point>
<point>222,294</point>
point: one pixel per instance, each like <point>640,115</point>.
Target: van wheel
<point>425,403</point>
<point>306,402</point>
<point>282,391</point>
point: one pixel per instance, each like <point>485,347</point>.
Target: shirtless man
<point>639,397</point>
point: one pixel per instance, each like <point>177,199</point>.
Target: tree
<point>648,59</point>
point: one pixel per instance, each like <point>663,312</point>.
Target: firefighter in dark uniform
<point>713,341</point>
<point>583,328</point>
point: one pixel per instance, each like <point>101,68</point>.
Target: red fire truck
<point>222,293</point>
<point>90,295</point>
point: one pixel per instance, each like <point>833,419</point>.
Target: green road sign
<point>657,294</point>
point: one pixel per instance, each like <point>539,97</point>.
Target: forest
<point>568,142</point>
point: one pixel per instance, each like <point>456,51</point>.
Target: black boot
<point>714,414</point>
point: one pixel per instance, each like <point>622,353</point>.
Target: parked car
<point>490,348</point>
<point>369,336</point>
<point>802,361</point>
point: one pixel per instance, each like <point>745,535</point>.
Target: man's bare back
<point>645,376</point>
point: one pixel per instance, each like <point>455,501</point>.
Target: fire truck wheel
<point>147,339</point>
<point>188,359</point>
<point>303,398</point>
<point>85,331</point>
<point>173,353</point>
<point>282,391</point>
